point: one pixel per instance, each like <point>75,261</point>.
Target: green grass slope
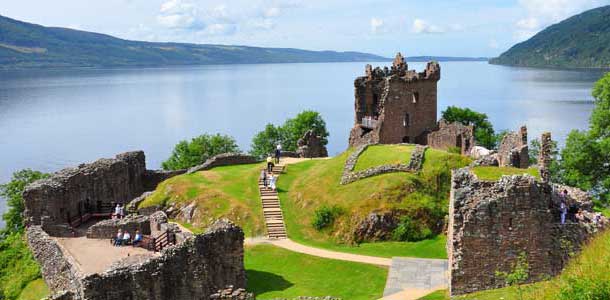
<point>309,185</point>
<point>25,45</point>
<point>274,272</point>
<point>582,41</point>
<point>18,269</point>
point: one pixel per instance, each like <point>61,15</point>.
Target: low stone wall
<point>152,178</point>
<point>58,270</point>
<point>415,164</point>
<point>224,160</point>
<point>156,219</point>
<point>108,228</point>
<point>492,223</point>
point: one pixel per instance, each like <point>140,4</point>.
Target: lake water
<point>53,119</point>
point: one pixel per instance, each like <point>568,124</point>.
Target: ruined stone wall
<point>225,159</point>
<point>491,223</point>
<point>401,102</point>
<point>452,135</point>
<point>195,269</point>
<point>72,192</point>
<point>513,150</point>
<point>58,269</point>
<point>310,145</point>
<point>108,228</point>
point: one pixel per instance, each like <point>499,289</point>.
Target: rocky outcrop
<point>311,145</point>
<point>376,226</point>
<point>225,159</point>
<point>349,176</point>
<point>156,219</point>
<point>492,223</point>
<point>108,228</point>
<point>231,293</point>
<point>132,206</point>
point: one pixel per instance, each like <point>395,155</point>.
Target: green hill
<point>25,45</point>
<point>582,41</point>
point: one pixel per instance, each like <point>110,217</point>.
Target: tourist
<point>264,177</point>
<point>121,211</point>
<point>117,211</point>
<point>563,208</point>
<point>137,239</point>
<point>119,238</point>
<point>278,153</point>
<point>126,238</point>
<point>272,180</point>
<point>269,164</point>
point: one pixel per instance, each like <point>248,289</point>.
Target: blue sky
<point>432,27</point>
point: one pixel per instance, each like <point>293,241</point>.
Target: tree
<point>296,127</point>
<point>585,159</point>
<point>265,141</point>
<point>12,192</point>
<point>483,130</point>
<point>198,150</point>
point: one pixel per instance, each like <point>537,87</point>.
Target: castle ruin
<point>395,105</point>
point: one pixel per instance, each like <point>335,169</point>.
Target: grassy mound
<point>587,277</point>
<point>307,186</point>
<point>495,173</point>
<point>229,191</point>
<point>35,290</point>
<point>384,155</point>
<point>274,272</point>
<point>17,268</point>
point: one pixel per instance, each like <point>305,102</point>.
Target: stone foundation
<point>193,269</point>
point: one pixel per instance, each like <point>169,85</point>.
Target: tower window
<point>407,121</point>
<point>415,97</point>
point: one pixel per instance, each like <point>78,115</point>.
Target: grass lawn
<point>308,185</point>
<point>378,155</point>
<point>274,272</point>
<point>495,173</point>
<point>229,191</point>
<point>35,290</point>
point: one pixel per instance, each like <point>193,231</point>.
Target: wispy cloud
<point>377,25</point>
<point>421,26</point>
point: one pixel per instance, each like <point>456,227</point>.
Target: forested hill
<point>25,45</point>
<point>582,41</point>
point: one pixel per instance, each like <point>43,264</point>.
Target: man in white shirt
<point>278,152</point>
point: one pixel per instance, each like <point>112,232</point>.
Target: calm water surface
<point>53,119</point>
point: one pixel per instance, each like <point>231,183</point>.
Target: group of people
<point>575,213</point>
<point>123,238</point>
<point>268,179</point>
<point>119,211</point>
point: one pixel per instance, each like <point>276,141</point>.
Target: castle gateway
<point>395,105</point>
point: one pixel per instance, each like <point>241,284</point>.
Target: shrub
<point>411,231</point>
<point>325,216</point>
<point>198,150</point>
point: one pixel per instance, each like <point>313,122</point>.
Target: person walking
<point>278,153</point>
<point>264,177</point>
<point>272,181</point>
<point>269,164</point>
<point>563,206</point>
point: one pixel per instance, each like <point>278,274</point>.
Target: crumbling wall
<point>395,105</point>
<point>492,223</point>
<point>58,269</point>
<point>71,193</point>
<point>194,269</point>
<point>449,135</point>
<point>513,150</point>
<point>225,159</point>
<point>108,228</point>
<point>310,145</point>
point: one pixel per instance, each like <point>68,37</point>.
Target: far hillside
<point>582,41</point>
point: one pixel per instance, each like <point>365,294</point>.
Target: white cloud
<point>265,24</point>
<point>272,12</point>
<point>220,29</point>
<point>423,27</point>
<point>493,44</point>
<point>542,13</point>
<point>179,14</point>
<point>377,25</point>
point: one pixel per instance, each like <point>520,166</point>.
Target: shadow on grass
<point>260,282</point>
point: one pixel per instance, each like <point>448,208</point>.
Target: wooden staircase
<point>271,208</point>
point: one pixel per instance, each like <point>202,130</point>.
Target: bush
<point>198,150</point>
<point>411,231</point>
<point>325,216</point>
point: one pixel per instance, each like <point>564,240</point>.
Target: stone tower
<point>395,105</point>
